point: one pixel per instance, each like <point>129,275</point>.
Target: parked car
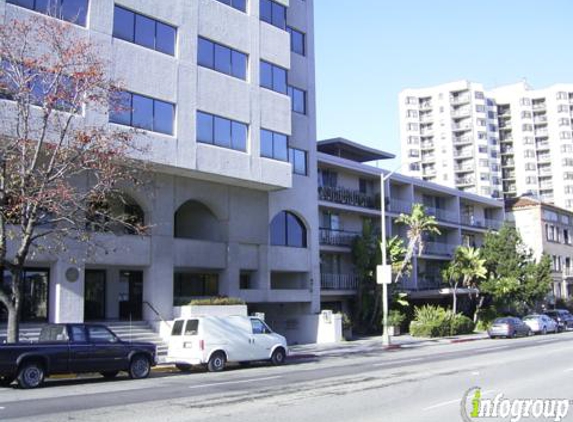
<point>73,348</point>
<point>216,340</point>
<point>508,327</point>
<point>541,324</point>
<point>563,318</point>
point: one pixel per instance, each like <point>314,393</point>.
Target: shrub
<point>395,318</point>
<point>217,301</point>
<point>346,321</point>
<point>434,321</point>
<point>486,318</point>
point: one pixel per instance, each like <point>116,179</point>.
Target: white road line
<point>497,348</point>
<point>446,403</point>
<point>398,361</point>
<point>234,382</point>
<point>546,340</point>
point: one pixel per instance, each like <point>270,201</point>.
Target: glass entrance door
<point>131,295</point>
<point>94,297</point>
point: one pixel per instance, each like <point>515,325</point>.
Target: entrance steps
<point>125,330</point>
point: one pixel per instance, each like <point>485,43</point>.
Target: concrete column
<point>66,294</point>
<point>229,278</point>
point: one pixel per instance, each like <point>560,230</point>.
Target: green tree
<point>466,268</point>
<point>418,224</point>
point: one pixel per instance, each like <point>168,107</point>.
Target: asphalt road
<point>417,384</point>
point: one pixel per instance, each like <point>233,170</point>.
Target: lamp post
<point>384,271</point>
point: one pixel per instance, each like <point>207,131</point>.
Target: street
<point>415,384</point>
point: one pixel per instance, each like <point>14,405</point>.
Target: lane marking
<point>546,340</point>
<point>446,403</point>
<point>398,361</point>
<point>234,382</point>
<point>497,348</point>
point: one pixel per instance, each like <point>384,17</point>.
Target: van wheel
<point>216,362</point>
<point>109,374</point>
<point>278,357</point>
<point>31,375</point>
<point>183,367</point>
<point>139,367</point>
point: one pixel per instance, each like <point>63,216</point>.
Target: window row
<point>144,31</point>
<point>143,112</point>
<point>237,4</point>
<point>74,11</point>
<point>222,59</point>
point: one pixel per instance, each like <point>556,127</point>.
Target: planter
<point>347,333</point>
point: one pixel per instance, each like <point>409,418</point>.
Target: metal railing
<point>438,248</point>
<point>399,206</point>
<point>156,312</point>
<point>338,281</point>
<point>345,196</point>
<point>337,237</point>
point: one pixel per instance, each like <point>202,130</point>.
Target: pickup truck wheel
<point>109,374</point>
<point>6,381</point>
<point>139,367</point>
<point>183,367</point>
<point>278,357</point>
<point>30,375</point>
<point>216,362</point>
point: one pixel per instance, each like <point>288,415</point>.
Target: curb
<point>466,340</point>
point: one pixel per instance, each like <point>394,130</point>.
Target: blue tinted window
<point>123,24</point>
<point>266,143</point>
<point>297,158</point>
<point>74,11</point>
<point>273,77</point>
<point>239,133</point>
<point>221,131</point>
<point>204,127</point>
<point>144,31</point>
<point>29,4</point>
<point>298,99</point>
<point>278,230</point>
<point>239,65</point>
<point>273,13</point>
<point>288,230</point>
<point>163,115</point>
<point>222,59</point>
<point>206,53</point>
<point>297,44</point>
<point>142,112</point>
<point>237,4</point>
<point>165,39</point>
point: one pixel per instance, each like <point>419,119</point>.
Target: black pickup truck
<point>73,348</point>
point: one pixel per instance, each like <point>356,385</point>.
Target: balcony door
<point>94,295</point>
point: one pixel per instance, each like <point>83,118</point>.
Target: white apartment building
<point>512,140</point>
<point>546,229</point>
<point>349,195</point>
<point>232,202</point>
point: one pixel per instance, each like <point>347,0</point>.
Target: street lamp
<point>384,271</point>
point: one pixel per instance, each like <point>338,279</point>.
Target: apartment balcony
<point>340,195</point>
<point>507,151</point>
<point>504,112</point>
<point>427,145</point>
<point>508,162</point>
<point>461,140</point>
<point>465,181</point>
<point>464,168</point>
<point>539,106</point>
<point>438,248</point>
<point>461,127</point>
<point>337,237</point>
<point>504,137</point>
<point>540,120</point>
<point>430,283</point>
<point>461,112</point>
<point>347,282</point>
<point>428,156</point>
<point>443,215</point>
<point>545,158</point>
<point>486,223</point>
<point>464,153</point>
<point>429,171</point>
<point>510,175</point>
<point>399,206</point>
<point>544,171</point>
<point>426,118</point>
<point>541,133</point>
<point>459,99</point>
<point>546,186</point>
<point>426,105</point>
<point>568,272</point>
<point>426,131</point>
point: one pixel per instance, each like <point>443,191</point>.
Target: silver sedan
<point>541,324</point>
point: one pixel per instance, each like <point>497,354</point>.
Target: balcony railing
<point>460,99</point>
<point>443,215</point>
<point>463,140</point>
<point>337,237</point>
<point>462,169</point>
<point>345,196</point>
<point>438,248</point>
<point>399,206</point>
<point>338,282</point>
<point>493,224</point>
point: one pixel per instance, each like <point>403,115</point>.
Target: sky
<point>367,51</point>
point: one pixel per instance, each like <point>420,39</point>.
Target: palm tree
<point>418,224</point>
<point>467,267</point>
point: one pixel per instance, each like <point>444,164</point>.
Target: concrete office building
<point>232,203</point>
<point>509,141</point>
<point>546,229</point>
<point>349,195</point>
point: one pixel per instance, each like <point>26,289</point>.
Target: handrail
<point>156,312</point>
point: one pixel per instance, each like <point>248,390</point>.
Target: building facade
<point>546,229</point>
<point>224,90</point>
<point>509,141</point>
<point>349,196</point>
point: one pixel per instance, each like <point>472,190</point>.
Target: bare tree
<point>58,170</point>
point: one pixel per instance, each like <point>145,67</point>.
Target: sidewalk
<point>372,344</point>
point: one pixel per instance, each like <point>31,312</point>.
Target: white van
<point>215,340</point>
